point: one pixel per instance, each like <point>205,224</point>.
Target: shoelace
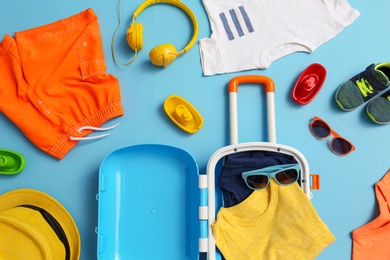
<point>364,87</point>
<point>72,138</point>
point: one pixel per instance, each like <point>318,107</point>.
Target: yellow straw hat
<point>33,225</point>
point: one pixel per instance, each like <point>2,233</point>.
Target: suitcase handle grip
<point>270,94</point>
<point>267,82</point>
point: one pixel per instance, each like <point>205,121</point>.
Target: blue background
<point>346,199</point>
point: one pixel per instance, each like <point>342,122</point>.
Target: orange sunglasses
<point>339,145</point>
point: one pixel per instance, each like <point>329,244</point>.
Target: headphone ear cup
<point>134,36</point>
<point>163,55</point>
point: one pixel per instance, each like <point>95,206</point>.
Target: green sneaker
<point>379,109</point>
<point>362,87</point>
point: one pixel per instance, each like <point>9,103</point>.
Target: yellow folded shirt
<point>276,223</point>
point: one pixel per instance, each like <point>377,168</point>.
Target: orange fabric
<point>53,81</point>
<point>372,240</point>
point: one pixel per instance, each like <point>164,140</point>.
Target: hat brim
<point>42,200</point>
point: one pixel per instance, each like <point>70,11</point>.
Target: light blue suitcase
<point>154,204</point>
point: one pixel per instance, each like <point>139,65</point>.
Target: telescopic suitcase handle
<point>270,94</point>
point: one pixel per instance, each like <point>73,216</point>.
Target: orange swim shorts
<point>54,82</point>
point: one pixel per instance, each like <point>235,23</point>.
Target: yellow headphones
<point>164,54</point>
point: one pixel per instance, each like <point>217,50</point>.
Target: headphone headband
<point>178,4</point>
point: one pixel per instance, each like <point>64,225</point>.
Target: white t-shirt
<point>250,34</point>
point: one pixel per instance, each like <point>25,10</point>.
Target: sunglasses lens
<point>287,176</point>
<point>320,129</point>
<point>341,146</point>
<point>257,181</point>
